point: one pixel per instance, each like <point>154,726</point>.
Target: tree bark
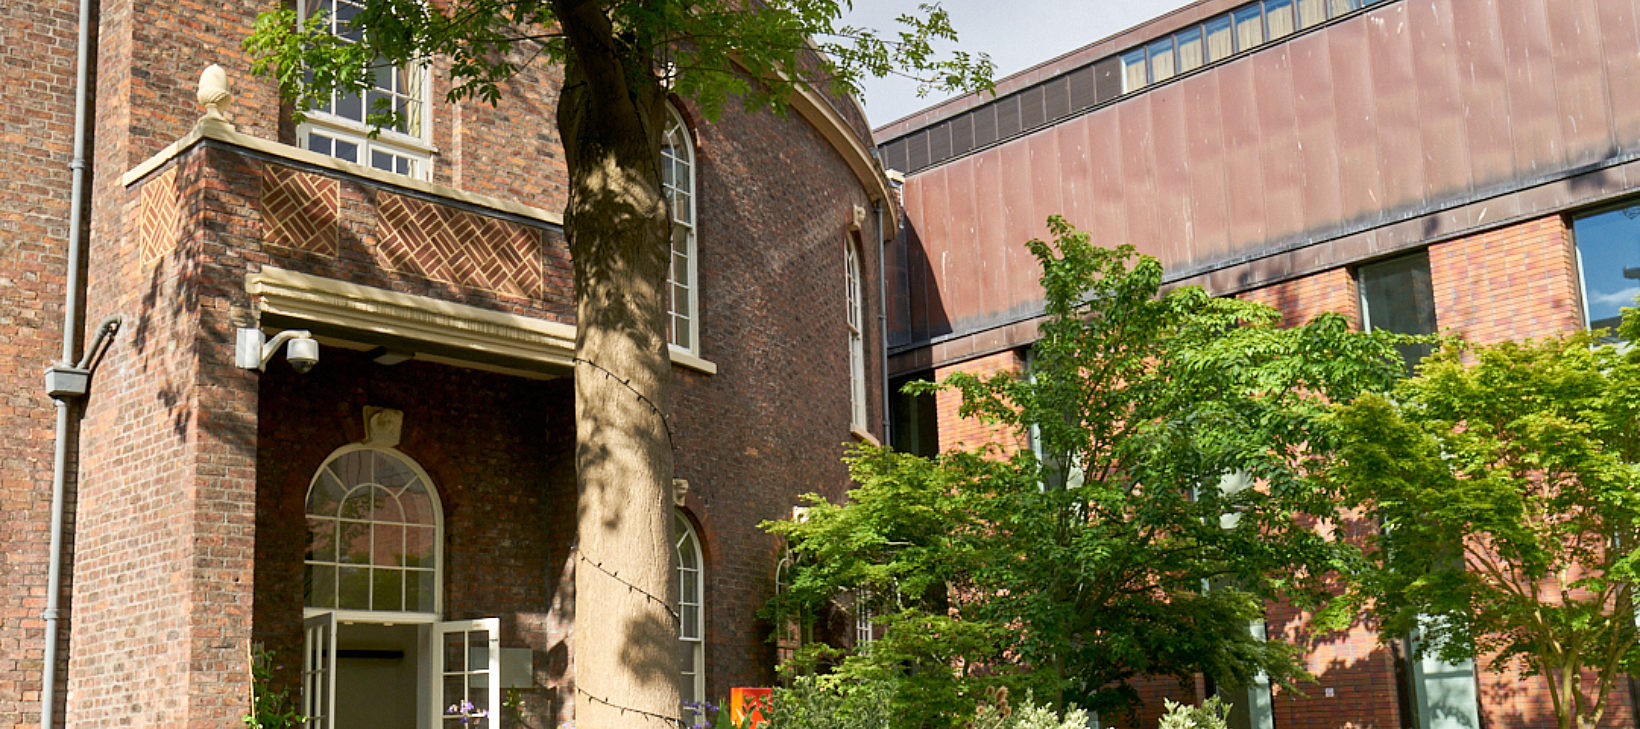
<point>625,643</point>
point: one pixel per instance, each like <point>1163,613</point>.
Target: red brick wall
<point>969,433</point>
<point>1301,299</point>
<point>775,207</point>
<point>1517,282</point>
<point>36,144</point>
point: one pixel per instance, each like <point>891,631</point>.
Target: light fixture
<point>253,350</point>
<point>389,357</point>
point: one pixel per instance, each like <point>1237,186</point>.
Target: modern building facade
<point>399,516</point>
<point>1418,165</point>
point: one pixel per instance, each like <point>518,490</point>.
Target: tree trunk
<point>626,628</point>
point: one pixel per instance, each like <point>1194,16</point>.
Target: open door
<point>467,666</point>
<point>319,671</point>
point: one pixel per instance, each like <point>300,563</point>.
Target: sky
<point>1017,33</point>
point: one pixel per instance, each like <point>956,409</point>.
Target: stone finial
<point>213,92</point>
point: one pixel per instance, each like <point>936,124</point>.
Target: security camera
<point>252,351</point>
<point>302,353</point>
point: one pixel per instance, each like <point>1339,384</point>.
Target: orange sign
<point>748,705</point>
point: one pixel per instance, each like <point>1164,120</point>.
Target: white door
<point>467,668</point>
<point>319,671</point>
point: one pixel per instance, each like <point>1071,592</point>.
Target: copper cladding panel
<point>1361,186</point>
<point>1483,84</point>
<point>1316,133</point>
<point>1531,77</point>
<point>1172,198</point>
<point>1244,172</point>
<point>1278,154</point>
<point>1395,105</point>
<point>1584,114</point>
<point>1209,200</point>
<point>1620,38</point>
<point>1138,167</point>
<point>1107,199</point>
<point>1440,108</point>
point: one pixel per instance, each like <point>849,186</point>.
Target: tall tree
<point>1504,479</point>
<point>621,59</point>
<point>1177,434</point>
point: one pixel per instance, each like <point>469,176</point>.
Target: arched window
<point>856,337</point>
<point>678,181</point>
<point>691,610</point>
<point>374,524</point>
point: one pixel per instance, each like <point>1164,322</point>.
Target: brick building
<point>1417,165</point>
<point>415,488</point>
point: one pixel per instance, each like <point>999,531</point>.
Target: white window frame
<point>678,155</point>
<point>856,335</point>
<point>407,616</point>
<point>691,633</point>
<point>415,148</point>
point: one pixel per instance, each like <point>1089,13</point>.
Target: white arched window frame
<point>691,609</point>
<point>856,337</point>
<point>340,128</point>
<point>678,182</point>
<point>375,536</point>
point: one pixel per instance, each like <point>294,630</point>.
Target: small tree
<point>1505,480</point>
<point>1177,432</point>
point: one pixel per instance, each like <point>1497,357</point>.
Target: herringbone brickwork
<point>457,247</point>
<point>301,210</point>
<point>160,211</point>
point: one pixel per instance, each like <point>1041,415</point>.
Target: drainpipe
<point>882,316</point>
<point>67,380</point>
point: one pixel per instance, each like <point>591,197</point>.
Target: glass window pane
<point>418,546</point>
<point>356,505</point>
<point>321,540</point>
<point>1278,18</point>
<point>320,585</point>
<point>319,143</point>
<point>1189,43</point>
<point>355,543</point>
<point>325,495</point>
<point>419,587</point>
<point>1249,27</point>
<point>347,150</point>
<point>1311,12</point>
<point>387,592</point>
<point>1220,42</point>
<point>1396,296</point>
<point>389,545</point>
<point>353,588</point>
<point>350,107</point>
<point>1134,76</point>
<point>1161,60</point>
<point>1339,7</point>
<point>1608,251</point>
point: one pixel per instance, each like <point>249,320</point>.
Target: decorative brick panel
<point>301,211</point>
<point>161,209</point>
<point>457,247</point>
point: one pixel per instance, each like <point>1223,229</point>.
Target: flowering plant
<point>469,713</point>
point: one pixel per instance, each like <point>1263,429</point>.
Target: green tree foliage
<point>1505,480</point>
<point>1178,432</point>
<point>713,52</point>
